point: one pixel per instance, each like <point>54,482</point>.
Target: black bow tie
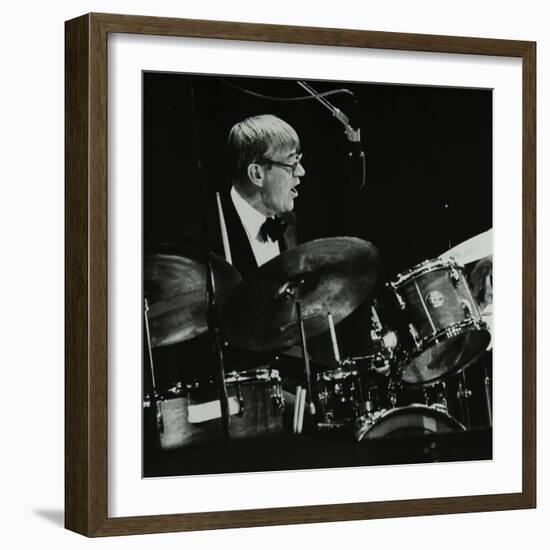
<point>273,228</point>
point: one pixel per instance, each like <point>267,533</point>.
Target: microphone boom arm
<point>353,135</point>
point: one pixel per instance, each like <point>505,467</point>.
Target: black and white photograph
<point>317,274</point>
<point>249,254</point>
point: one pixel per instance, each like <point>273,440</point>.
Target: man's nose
<point>300,170</point>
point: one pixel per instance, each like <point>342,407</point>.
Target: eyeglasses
<point>293,167</point>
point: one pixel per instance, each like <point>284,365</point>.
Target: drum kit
<point>425,329</point>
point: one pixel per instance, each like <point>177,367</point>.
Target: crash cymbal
<point>175,288</point>
<point>327,275</point>
<point>471,250</point>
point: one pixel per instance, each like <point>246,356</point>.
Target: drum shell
<point>441,328</point>
<point>176,431</point>
<point>435,302</point>
<point>263,408</point>
<point>256,395</point>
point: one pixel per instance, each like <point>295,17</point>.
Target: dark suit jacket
<point>241,251</point>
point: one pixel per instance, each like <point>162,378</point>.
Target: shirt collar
<point>250,217</point>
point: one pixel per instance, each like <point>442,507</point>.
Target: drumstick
<point>296,407</point>
<point>301,411</point>
<point>223,228</point>
<point>333,338</point>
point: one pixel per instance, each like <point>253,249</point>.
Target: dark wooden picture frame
<point>86,283</point>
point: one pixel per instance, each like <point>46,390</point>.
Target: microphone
<point>357,162</point>
<point>357,166</point>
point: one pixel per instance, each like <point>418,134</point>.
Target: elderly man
<point>265,170</point>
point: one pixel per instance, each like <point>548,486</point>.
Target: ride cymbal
<point>327,275</point>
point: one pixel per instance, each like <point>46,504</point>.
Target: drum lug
<point>440,407</point>
<point>393,398</point>
<point>414,335</point>
<point>398,297</point>
<point>454,275</point>
<point>442,397</point>
<point>463,392</point>
<point>347,363</point>
<point>240,400</point>
<point>369,401</point>
<point>435,397</point>
<point>467,308</point>
<point>158,416</point>
<point>241,412</point>
<point>361,427</point>
<point>278,400</point>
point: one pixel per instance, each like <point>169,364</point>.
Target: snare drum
<point>190,414</point>
<point>338,398</point>
<point>443,328</point>
<point>410,421</point>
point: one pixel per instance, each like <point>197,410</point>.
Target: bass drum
<point>410,421</point>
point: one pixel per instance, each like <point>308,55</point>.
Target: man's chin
<point>285,208</point>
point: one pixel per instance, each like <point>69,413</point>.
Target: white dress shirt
<point>252,221</point>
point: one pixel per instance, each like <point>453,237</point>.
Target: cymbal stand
<point>211,311</point>
<point>292,291</point>
<point>158,412</point>
<point>149,347</point>
<point>463,394</point>
<point>214,328</point>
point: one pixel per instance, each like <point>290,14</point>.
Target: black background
<point>429,159</point>
<point>429,187</point>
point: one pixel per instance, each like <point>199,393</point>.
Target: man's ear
<point>256,174</point>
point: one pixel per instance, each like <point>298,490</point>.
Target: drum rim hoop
<point>459,328</point>
<point>262,374</point>
<point>427,266</point>
<point>336,374</point>
<point>418,407</point>
<point>442,377</point>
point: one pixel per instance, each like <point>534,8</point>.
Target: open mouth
<point>293,193</point>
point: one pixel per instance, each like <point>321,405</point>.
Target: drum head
<point>414,420</point>
<point>446,357</point>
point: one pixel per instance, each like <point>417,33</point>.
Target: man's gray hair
<point>254,139</point>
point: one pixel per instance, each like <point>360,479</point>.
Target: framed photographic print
<point>293,256</point>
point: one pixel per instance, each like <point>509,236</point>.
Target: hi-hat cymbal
<point>175,288</point>
<point>327,275</point>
